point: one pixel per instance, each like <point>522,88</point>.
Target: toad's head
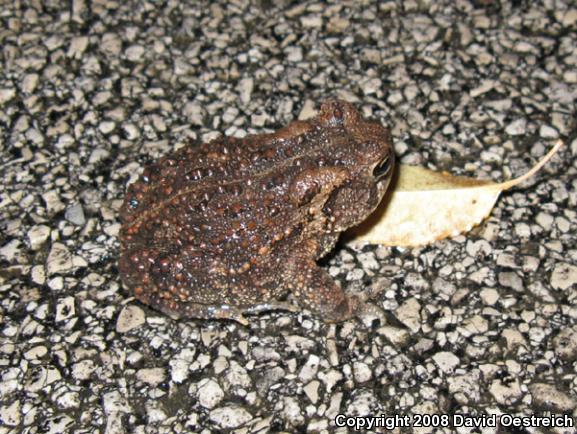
<point>362,148</point>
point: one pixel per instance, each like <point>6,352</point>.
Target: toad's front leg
<point>313,288</point>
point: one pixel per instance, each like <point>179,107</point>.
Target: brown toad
<point>234,225</point>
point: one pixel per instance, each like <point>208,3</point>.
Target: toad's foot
<point>314,289</point>
<point>228,312</point>
<point>203,311</point>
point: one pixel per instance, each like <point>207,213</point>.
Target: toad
<point>235,225</point>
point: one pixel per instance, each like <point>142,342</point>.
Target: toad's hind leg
<point>203,311</point>
<point>195,310</point>
<point>316,290</point>
<point>270,306</point>
<point>192,310</point>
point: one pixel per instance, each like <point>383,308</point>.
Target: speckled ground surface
<point>481,324</point>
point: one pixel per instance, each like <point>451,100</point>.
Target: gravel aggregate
<point>484,323</point>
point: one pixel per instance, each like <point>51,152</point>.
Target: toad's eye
<point>382,169</point>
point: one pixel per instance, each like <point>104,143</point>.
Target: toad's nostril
<point>338,114</point>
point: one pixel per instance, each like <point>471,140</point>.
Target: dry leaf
<point>424,206</point>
